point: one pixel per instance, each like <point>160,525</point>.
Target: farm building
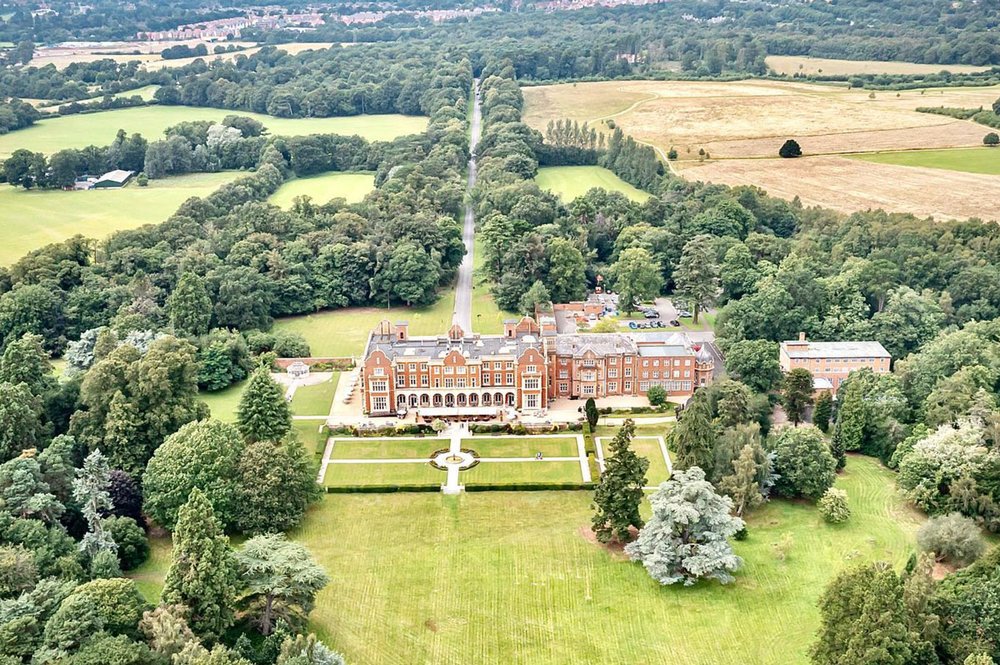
<point>118,178</point>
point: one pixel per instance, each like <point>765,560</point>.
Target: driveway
<point>463,291</point>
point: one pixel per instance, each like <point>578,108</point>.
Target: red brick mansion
<point>524,368</point>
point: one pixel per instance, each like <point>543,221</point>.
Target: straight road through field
<point>463,291</point>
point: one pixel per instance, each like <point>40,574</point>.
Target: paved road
<point>463,292</point>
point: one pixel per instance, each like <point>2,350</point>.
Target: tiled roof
<point>438,347</point>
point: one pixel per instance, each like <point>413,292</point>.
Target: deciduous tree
<point>636,277</point>
<point>803,463</point>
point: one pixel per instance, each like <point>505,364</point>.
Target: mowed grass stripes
<point>509,577</point>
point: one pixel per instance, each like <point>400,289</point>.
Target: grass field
<point>974,160</point>
<point>569,182</point>
<point>325,187</point>
<point>509,577</point>
<point>407,473</point>
<point>742,124</point>
<point>343,332</point>
<point>522,446</point>
<point>315,400</point>
<point>390,448</point>
<point>223,403</point>
<point>31,219</point>
<point>487,318</point>
<point>851,185</point>
<point>78,131</point>
<point>502,473</point>
<point>650,449</point>
<point>796,64</point>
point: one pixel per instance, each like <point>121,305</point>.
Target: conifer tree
<point>90,492</point>
<point>619,492</point>
<point>189,305</point>
<point>593,415</point>
<point>694,436</point>
<point>263,414</point>
<point>202,574</point>
<point>823,410</point>
<point>852,417</point>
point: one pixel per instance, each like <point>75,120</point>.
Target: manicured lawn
<point>384,474</point>
<point>522,446</point>
<point>309,434</point>
<point>969,160</point>
<point>650,449</point>
<point>31,219</point>
<point>150,574</point>
<point>507,577</point>
<point>392,448</point>
<point>315,400</point>
<point>223,403</point>
<point>501,473</point>
<point>81,130</point>
<point>570,182</point>
<point>487,318</point>
<point>343,332</point>
<point>324,188</point>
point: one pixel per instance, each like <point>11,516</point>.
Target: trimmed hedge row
<point>390,430</point>
<point>381,489</point>
<point>504,487</point>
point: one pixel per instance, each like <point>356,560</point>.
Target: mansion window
<point>400,381</point>
<point>449,370</point>
<point>472,382</point>
<point>460,370</point>
<point>613,387</point>
<point>563,374</point>
<point>628,386</point>
<point>423,380</point>
<point>380,404</point>
<point>628,371</point>
<point>588,390</point>
<point>380,386</point>
<point>449,383</point>
<point>413,381</point>
<point>531,401</point>
<point>486,379</point>
<point>656,375</point>
<point>379,371</point>
<point>461,383</point>
<point>532,384</point>
<point>531,369</point>
<point>677,373</point>
<point>645,363</point>
<point>508,365</point>
<point>588,363</point>
<point>643,386</point>
<point>589,376</point>
<point>687,363</point>
<point>687,373</point>
<point>628,360</point>
<point>563,388</point>
<point>510,379</point>
<point>612,373</point>
<point>437,383</point>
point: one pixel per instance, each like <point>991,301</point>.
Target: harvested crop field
<point>851,185</point>
<point>798,64</point>
<point>752,118</point>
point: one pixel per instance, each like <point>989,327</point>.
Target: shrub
<point>133,548</point>
<point>954,538</point>
<point>991,139</point>
<point>290,345</point>
<point>656,395</point>
<point>803,463</point>
<point>790,148</point>
<point>833,506</point>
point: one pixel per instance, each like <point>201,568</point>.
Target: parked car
<point>684,314</point>
<point>651,314</point>
<point>675,323</point>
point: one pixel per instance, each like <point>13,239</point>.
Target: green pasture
<point>535,471</point>
<point>315,400</point>
<point>30,219</point>
<point>325,187</point>
<point>493,577</point>
<point>569,182</point>
<point>389,448</point>
<point>341,333</point>
<point>78,131</point>
<point>408,473</point>
<point>522,446</point>
<point>969,160</point>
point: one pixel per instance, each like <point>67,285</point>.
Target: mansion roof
<point>861,349</point>
<point>472,348</point>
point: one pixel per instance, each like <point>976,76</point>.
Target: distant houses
<point>110,180</point>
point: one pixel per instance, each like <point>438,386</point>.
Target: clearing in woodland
<point>569,182</point>
<point>325,187</point>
